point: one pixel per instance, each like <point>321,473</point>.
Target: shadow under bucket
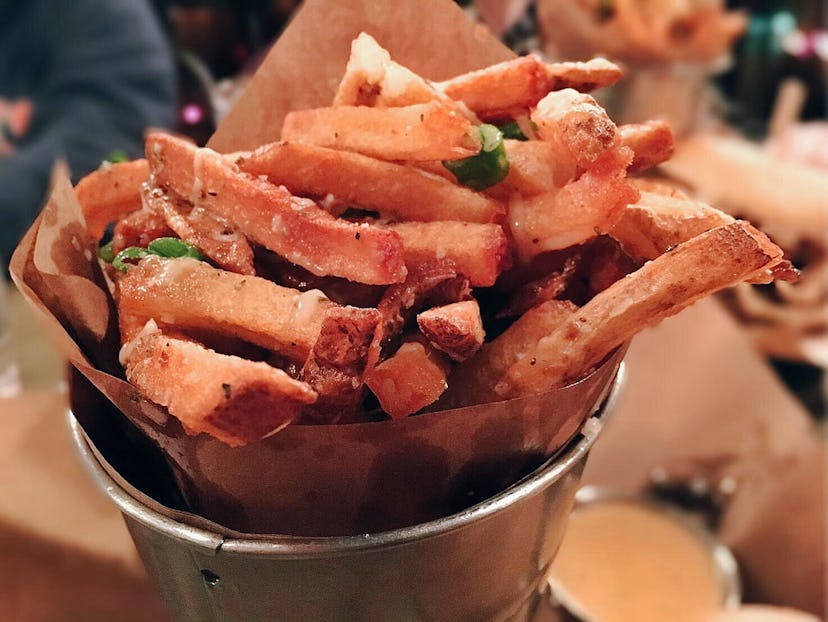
<point>485,563</point>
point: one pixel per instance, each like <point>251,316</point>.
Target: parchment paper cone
<point>305,480</point>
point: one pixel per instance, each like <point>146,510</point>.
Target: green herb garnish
<point>488,167</point>
<point>117,155</point>
<point>512,130</point>
<point>106,253</point>
<point>162,247</point>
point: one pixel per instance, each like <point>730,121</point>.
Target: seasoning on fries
<point>415,245</point>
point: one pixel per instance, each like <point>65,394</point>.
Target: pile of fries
<point>640,31</point>
<point>415,246</point>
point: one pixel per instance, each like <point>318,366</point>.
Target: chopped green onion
<point>117,155</point>
<point>173,247</point>
<point>106,253</point>
<point>512,130</point>
<point>162,247</point>
<point>133,252</point>
<point>488,167</point>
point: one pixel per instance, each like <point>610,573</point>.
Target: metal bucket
<point>486,563</point>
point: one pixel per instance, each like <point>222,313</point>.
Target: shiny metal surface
<point>485,563</point>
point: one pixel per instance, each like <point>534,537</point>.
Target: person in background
<point>79,80</point>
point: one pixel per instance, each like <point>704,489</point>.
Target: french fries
<point>478,252</point>
<point>297,230</point>
<point>189,294</point>
<point>430,131</point>
<point>236,400</point>
<point>511,88</point>
<point>660,288</point>
<point>110,193</point>
<point>367,256</point>
<point>393,190</point>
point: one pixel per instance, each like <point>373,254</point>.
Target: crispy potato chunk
<point>214,236</point>
<point>716,259</point>
<point>336,366</point>
<point>510,88</point>
<point>372,78</point>
<point>189,294</point>
<point>110,193</point>
<point>479,252</point>
<point>456,329</point>
<point>430,131</point>
<point>393,190</point>
<point>651,142</point>
<point>410,380</point>
<point>233,399</point>
<point>139,228</point>
<point>296,229</point>
<point>575,125</point>
<point>579,211</point>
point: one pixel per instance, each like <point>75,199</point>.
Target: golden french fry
<point>214,236</point>
<point>409,380</point>
<point>394,190</point>
<point>479,252</point>
<point>456,329</point>
<point>236,400</point>
<point>296,229</point>
<point>472,381</point>
<point>656,223</point>
<point>714,260</point>
<point>110,193</point>
<point>511,88</point>
<point>337,362</point>
<point>579,211</point>
<point>189,294</point>
<point>430,131</point>
<point>575,125</point>
<point>652,143</point>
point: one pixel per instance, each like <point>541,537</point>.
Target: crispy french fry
<point>410,380</point>
<point>476,377</point>
<point>456,329</point>
<point>714,260</point>
<point>477,251</point>
<point>652,143</point>
<point>657,223</point>
<point>110,193</point>
<point>430,131</point>
<point>269,215</point>
<point>579,211</point>
<point>575,125</point>
<point>189,294</point>
<point>509,89</point>
<point>236,400</point>
<point>336,365</point>
<point>391,189</point>
<point>214,236</point>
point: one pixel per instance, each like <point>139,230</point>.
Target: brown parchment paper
<point>305,480</point>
